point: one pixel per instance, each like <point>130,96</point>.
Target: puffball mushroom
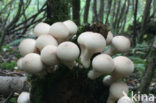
<point>123,67</point>
<point>59,31</point>
<point>125,99</point>
<point>31,63</point>
<point>41,29</point>
<point>45,40</point>
<point>67,52</point>
<point>48,55</point>
<point>71,26</point>
<point>120,44</point>
<point>90,43</point>
<point>116,91</point>
<point>109,38</point>
<point>27,46</point>
<point>102,64</point>
<point>24,97</point>
<point>19,63</point>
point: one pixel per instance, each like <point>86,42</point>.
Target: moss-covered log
<point>68,86</point>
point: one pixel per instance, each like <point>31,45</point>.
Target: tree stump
<point>68,86</point>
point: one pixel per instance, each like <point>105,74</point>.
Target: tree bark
<point>95,16</point>
<point>76,11</point>
<point>57,10</point>
<point>116,15</point>
<point>86,12</point>
<point>134,24</point>
<point>122,13</point>
<point>101,13</point>
<point>145,18</point>
<point>150,70</point>
<point>109,9</point>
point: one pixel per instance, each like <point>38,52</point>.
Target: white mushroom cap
<point>117,89</point>
<point>123,66</point>
<point>103,63</point>
<point>19,63</point>
<point>48,55</point>
<point>125,99</point>
<point>121,43</point>
<point>41,29</point>
<point>24,97</point>
<point>59,31</point>
<point>107,80</point>
<point>32,63</point>
<point>67,52</point>
<point>45,40</point>
<point>90,43</point>
<point>71,26</point>
<point>109,38</point>
<point>27,46</point>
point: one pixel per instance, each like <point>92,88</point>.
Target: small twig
<point>6,100</point>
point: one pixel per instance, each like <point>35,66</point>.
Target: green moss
<point>68,86</point>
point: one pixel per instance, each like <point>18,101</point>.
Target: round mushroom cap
<point>48,55</point>
<point>27,46</point>
<point>32,63</point>
<point>103,63</point>
<point>67,51</point>
<point>121,43</point>
<point>109,38</point>
<point>125,99</point>
<point>45,40</point>
<point>41,29</point>
<point>123,66</point>
<point>24,97</point>
<point>71,26</point>
<point>19,63</point>
<point>92,41</point>
<point>117,89</point>
<point>59,31</point>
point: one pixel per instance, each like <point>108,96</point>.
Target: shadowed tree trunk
<point>150,70</point>
<point>95,16</point>
<point>134,34</point>
<point>86,12</point>
<point>117,13</point>
<point>101,13</point>
<point>145,18</point>
<point>76,11</point>
<point>109,5</point>
<point>57,12</point>
<point>122,13</point>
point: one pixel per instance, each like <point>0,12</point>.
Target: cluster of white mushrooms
<point>52,47</point>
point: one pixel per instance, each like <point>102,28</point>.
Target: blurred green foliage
<point>9,65</point>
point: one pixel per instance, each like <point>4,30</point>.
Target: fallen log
<point>10,84</point>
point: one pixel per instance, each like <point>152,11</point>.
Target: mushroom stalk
<point>116,77</point>
<point>111,99</point>
<point>111,51</point>
<point>85,57</point>
<point>69,64</point>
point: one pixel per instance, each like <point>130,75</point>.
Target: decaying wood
<point>10,84</point>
